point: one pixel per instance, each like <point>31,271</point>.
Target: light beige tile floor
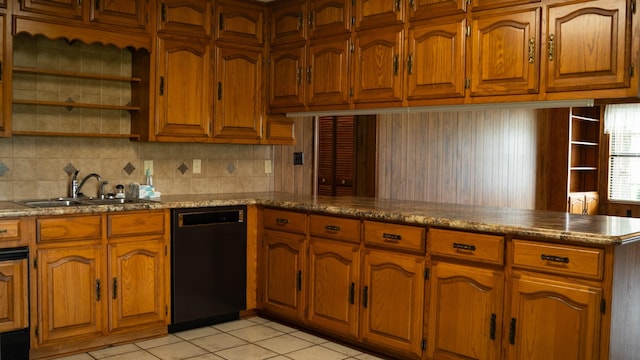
<point>254,338</point>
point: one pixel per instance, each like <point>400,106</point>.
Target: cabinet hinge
<point>423,345</point>
<point>633,6</point>
<point>426,274</point>
<point>468,31</point>
<point>35,263</point>
<point>97,4</point>
<point>603,306</point>
<point>352,47</point>
<point>353,21</point>
<point>166,251</point>
<point>351,91</point>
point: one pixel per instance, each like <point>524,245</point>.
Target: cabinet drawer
<point>335,228</point>
<point>285,221</point>
<point>9,230</point>
<point>401,237</point>
<point>131,224</point>
<point>467,245</point>
<point>69,228</point>
<point>560,259</point>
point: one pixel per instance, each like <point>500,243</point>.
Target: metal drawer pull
<point>282,221</point>
<point>560,259</point>
<point>2,231</point>
<point>391,237</point>
<point>334,228</point>
<point>464,247</point>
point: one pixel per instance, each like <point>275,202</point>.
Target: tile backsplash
<point>34,166</point>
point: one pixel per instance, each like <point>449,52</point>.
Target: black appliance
<point>14,345</point>
<point>208,266</point>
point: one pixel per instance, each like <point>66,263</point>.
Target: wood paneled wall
<point>487,158</point>
<point>295,179</point>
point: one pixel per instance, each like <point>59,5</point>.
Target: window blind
<point>622,123</point>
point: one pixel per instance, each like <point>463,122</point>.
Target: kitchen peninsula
<point>418,277</point>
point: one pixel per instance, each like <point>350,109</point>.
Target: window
<point>622,123</point>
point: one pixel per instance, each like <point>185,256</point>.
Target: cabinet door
<point>288,22</point>
<point>505,53</point>
<point>329,17</point>
<point>71,293</point>
<point>284,259</point>
<point>70,9</point>
<point>423,9</point>
<point>477,5</point>
<point>587,46</point>
<point>333,287</point>
<point>465,312</point>
<point>287,76</point>
<point>130,13</point>
<point>576,203</point>
<point>392,301</point>
<point>188,18</point>
<point>378,68</point>
<point>183,88</point>
<point>328,72</point>
<point>14,292</point>
<point>238,106</point>
<point>436,61</point>
<point>136,283</point>
<point>375,13</point>
<point>553,320</point>
<point>240,22</point>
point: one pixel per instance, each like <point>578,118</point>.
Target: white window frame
<point>622,124</point>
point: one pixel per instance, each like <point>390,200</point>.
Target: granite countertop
<point>589,229</point>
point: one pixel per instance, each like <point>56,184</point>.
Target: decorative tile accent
<point>129,168</point>
<point>183,168</point>
<point>231,168</point>
<point>69,169</point>
<point>3,169</point>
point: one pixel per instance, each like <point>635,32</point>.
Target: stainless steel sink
<point>65,202</point>
<point>58,202</point>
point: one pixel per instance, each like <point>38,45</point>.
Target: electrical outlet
<point>197,166</point>
<point>298,158</point>
<point>148,165</point>
<point>267,167</point>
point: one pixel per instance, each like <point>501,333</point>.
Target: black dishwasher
<point>208,266</point>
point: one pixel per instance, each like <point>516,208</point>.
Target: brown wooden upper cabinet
<point>477,5</point>
<point>588,45</point>
<point>378,67</point>
<point>184,88</point>
<point>240,22</point>
<point>128,13</point>
<point>329,17</point>
<point>328,72</point>
<point>436,60</point>
<point>287,76</point>
<point>288,22</point>
<point>375,13</point>
<point>188,18</point>
<point>424,9</point>
<point>505,52</point>
<point>238,105</point>
<point>70,9</point>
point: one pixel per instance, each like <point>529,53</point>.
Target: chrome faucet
<point>76,189</point>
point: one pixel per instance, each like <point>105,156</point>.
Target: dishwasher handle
<point>210,218</point>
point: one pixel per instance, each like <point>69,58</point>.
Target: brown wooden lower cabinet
<point>92,287</point>
<point>465,295</point>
